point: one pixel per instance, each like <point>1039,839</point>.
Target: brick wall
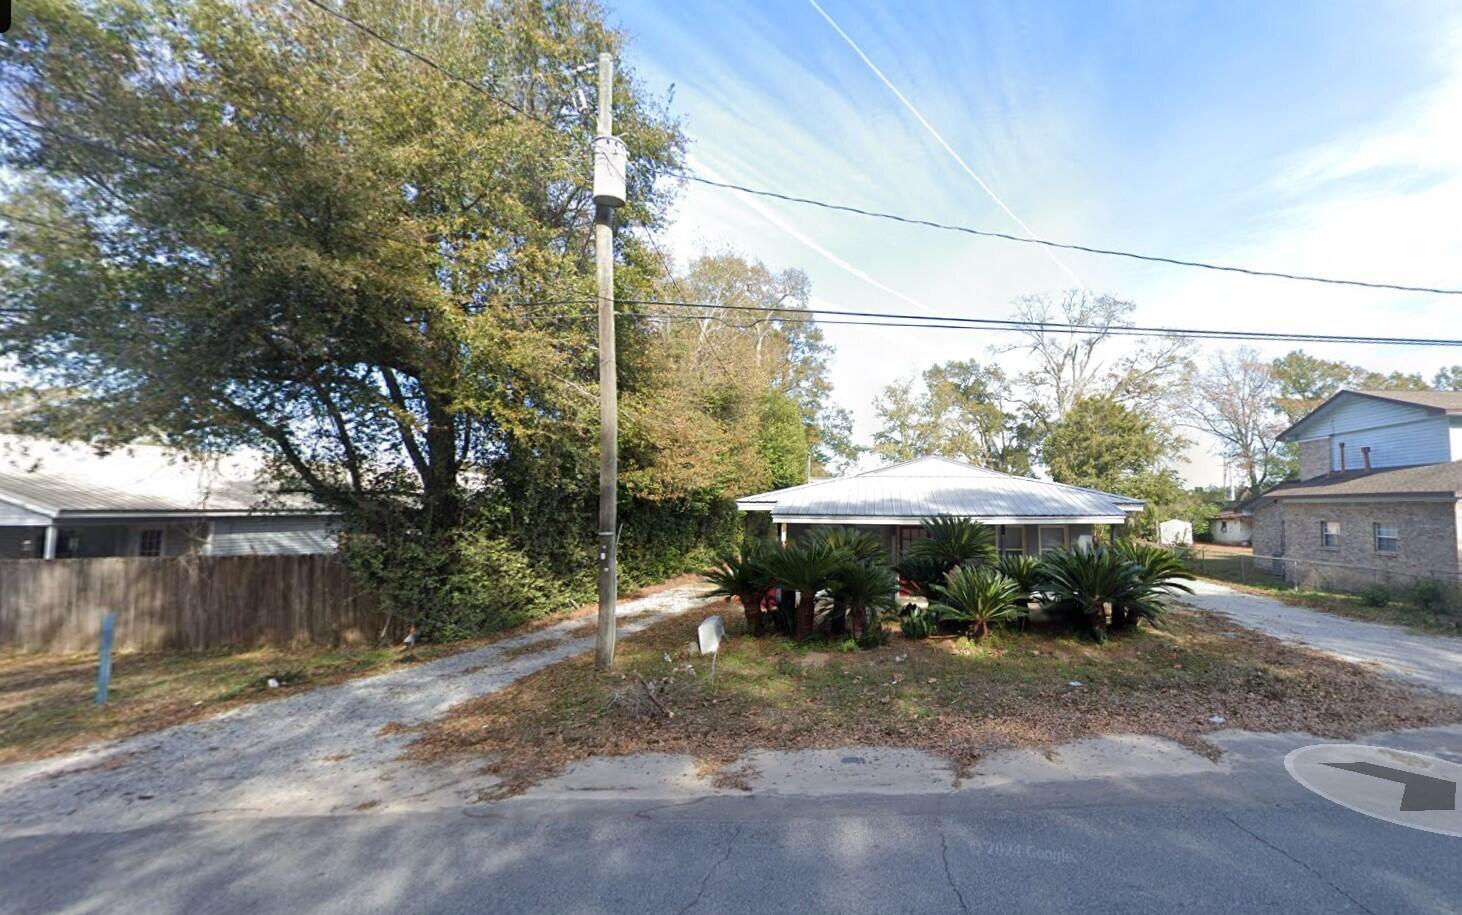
<point>1315,458</point>
<point>1428,533</point>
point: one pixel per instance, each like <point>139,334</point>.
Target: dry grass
<point>947,696</point>
<point>47,707</point>
<point>46,701</point>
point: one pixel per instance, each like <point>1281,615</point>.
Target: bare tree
<point>1071,363</point>
<point>1235,401</point>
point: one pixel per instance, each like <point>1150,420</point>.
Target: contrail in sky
<point>941,141</point>
<point>771,216</point>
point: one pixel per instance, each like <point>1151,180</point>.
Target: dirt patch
<point>530,648</point>
<point>949,697</point>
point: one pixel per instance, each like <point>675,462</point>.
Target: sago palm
<point>806,567</point>
<point>954,541</point>
<point>1160,574</point>
<point>865,589</point>
<point>858,546</point>
<point>1023,570</point>
<point>1081,582</point>
<point>861,545</point>
<point>977,596</point>
<point>743,576</point>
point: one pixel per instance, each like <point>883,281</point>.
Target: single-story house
<point>68,501</point>
<point>1380,491</point>
<point>1234,525</point>
<point>1030,516</point>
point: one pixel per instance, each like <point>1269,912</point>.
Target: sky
<point>1309,137</point>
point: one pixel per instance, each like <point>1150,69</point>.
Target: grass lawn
<point>46,701</point>
<point>1238,570</point>
<point>948,696</point>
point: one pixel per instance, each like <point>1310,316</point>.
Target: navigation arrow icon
<point>1423,792</point>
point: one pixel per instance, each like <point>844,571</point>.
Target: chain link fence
<point>1437,588</point>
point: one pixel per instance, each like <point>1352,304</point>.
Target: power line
<point>1017,324</point>
<point>422,58</point>
<point>1029,238</point>
<point>1088,249</point>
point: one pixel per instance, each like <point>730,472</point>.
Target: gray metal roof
<point>934,485</point>
<point>58,479</point>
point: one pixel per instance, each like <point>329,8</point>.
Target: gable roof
<point>1422,480</point>
<point>1241,509</point>
<point>1435,403</point>
<point>910,490</point>
<point>58,480</point>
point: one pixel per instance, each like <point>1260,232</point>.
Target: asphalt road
<point>1248,839</point>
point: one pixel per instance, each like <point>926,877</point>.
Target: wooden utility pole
<point>604,204</point>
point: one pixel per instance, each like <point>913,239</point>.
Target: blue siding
<point>1425,442</point>
<point>1397,434</point>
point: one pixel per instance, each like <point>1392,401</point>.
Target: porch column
<point>783,533</point>
<point>48,549</point>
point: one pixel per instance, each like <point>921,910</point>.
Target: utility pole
<point>610,163</point>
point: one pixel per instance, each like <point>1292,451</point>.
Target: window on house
<point>1012,540</point>
<point>1388,538</point>
<point>149,543</point>
<point>1223,526</point>
<point>1330,534</point>
<point>1052,538</point>
<point>908,535</point>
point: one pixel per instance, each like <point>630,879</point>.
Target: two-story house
<point>1380,490</point>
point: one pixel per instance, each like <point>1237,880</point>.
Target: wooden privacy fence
<point>188,602</point>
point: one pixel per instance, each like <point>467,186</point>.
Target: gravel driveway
<point>1430,660</point>
<point>318,752</point>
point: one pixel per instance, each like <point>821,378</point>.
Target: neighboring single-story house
<point>68,501</point>
<point>1030,516</point>
<point>1234,525</point>
<point>1380,491</point>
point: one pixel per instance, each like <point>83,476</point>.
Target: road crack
<point>948,873</point>
<point>1319,876</point>
<point>705,881</point>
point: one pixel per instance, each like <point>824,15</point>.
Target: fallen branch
<point>653,699</point>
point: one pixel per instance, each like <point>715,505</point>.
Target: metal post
<point>104,665</point>
<point>608,394</point>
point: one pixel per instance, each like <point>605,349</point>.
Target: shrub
<point>743,575</point>
<point>916,622</point>
<point>1430,595</point>
<point>806,567</point>
<point>1375,595</point>
<point>920,573</point>
<point>977,596</point>
<point>1160,573</point>
<point>864,590</point>
<point>954,541</point>
<point>452,586</point>
<point>1023,570</point>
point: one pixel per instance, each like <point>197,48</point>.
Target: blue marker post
<point>104,669</point>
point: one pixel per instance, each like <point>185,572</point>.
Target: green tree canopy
<point>240,224</point>
<point>1102,444</point>
<point>959,409</point>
